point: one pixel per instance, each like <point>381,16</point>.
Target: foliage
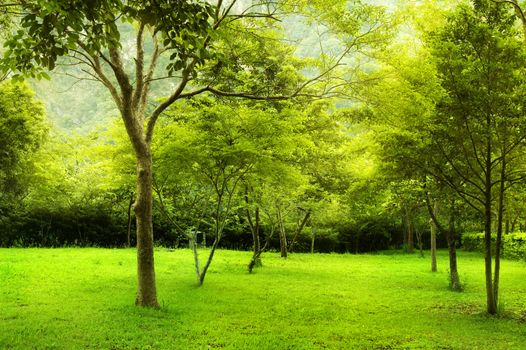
<point>513,244</point>
<point>22,131</point>
<point>50,30</point>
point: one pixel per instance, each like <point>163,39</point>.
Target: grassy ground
<point>83,298</point>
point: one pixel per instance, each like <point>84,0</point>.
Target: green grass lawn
<point>83,298</point>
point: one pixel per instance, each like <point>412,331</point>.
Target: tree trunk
<point>257,242</point>
<point>298,231</point>
<point>208,262</point>
<point>434,239</point>
<point>451,241</point>
<point>254,229</point>
<point>256,255</point>
<point>454,280</point>
<point>498,243</point>
<point>193,245</point>
<point>433,246</point>
<point>282,236</point>
<point>146,292</point>
<point>490,296</point>
<point>410,232</point>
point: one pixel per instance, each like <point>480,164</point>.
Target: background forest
<point>333,174</point>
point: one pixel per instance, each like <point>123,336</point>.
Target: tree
<point>196,35</point>
<point>405,105</point>
<point>481,67</point>
<point>215,145</point>
<point>22,131</point>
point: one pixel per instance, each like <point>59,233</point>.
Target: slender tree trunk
<point>300,228</point>
<point>282,235</point>
<point>498,243</point>
<point>255,261</point>
<point>410,232</point>
<point>254,229</point>
<point>490,296</point>
<point>451,240</point>
<point>433,247</point>
<point>147,291</point>
<point>257,241</point>
<point>433,240</point>
<point>454,279</point>
<point>208,262</point>
<point>257,256</point>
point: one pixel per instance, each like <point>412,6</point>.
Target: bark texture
<point>146,291</point>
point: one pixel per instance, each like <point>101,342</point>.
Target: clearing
<point>83,298</point>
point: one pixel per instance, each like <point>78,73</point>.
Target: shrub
<point>513,244</point>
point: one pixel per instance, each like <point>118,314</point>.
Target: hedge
<point>513,244</point>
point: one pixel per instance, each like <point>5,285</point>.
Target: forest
<point>325,172</point>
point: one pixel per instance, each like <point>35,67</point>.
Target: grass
<point>83,298</point>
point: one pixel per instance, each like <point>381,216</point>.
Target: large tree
<point>481,66</point>
<point>210,48</point>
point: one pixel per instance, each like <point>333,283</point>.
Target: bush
<point>513,244</point>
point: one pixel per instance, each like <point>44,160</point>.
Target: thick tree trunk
<point>147,291</point>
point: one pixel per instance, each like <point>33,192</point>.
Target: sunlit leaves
<point>53,29</point>
<point>22,131</point>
